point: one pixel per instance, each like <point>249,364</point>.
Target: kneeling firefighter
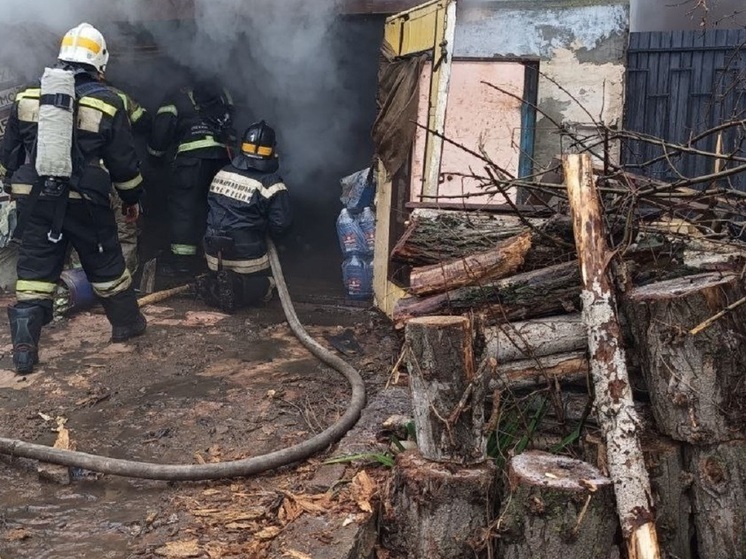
<point>247,201</point>
<point>66,142</point>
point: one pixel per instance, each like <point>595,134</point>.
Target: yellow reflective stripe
<point>168,109</point>
<point>200,144</point>
<point>3,170</point>
<point>90,44</point>
<point>239,266</point>
<point>228,96</point>
<point>30,289</point>
<point>184,250</point>
<point>111,288</point>
<point>102,106</point>
<point>155,153</point>
<point>125,100</point>
<point>130,184</point>
<point>33,93</point>
<point>137,114</point>
<point>258,150</point>
<point>23,189</point>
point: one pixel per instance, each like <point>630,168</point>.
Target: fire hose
<point>220,470</point>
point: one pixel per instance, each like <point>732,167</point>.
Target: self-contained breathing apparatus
<point>57,157</point>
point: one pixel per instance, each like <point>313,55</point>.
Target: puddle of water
<point>96,519</point>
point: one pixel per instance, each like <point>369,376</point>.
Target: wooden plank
<point>385,293</point>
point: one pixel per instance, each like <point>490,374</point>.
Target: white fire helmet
<point>85,44</point>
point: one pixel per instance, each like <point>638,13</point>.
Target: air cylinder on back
<point>56,121</point>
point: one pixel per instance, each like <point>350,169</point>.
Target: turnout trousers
<point>187,202</point>
<point>92,232</point>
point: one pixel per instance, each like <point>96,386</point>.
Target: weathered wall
<point>581,44</point>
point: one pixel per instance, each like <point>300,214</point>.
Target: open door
<point>428,29</point>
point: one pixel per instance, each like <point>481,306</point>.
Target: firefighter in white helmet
<point>67,141</point>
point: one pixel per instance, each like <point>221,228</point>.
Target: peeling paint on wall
<point>581,45</point>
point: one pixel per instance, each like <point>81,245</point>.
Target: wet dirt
<point>200,386</point>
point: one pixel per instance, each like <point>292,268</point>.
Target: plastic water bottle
<point>350,235</point>
<point>367,221</point>
<point>355,278</point>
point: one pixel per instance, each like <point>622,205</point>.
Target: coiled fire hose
<point>221,470</point>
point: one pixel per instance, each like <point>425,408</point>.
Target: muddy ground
<point>200,386</point>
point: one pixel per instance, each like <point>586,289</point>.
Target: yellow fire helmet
<point>85,44</point>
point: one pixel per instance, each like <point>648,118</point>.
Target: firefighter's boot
<point>124,315</point>
<point>25,331</point>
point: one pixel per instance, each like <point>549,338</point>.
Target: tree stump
<point>558,507</point>
<point>447,400</point>
<point>669,481</point>
<point>436,511</point>
<point>695,381</point>
<point>719,491</point>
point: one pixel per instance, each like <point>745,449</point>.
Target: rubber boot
<point>124,315</point>
<point>25,331</point>
<point>207,289</point>
<point>228,291</point>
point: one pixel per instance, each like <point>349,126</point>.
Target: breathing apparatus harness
<point>57,156</point>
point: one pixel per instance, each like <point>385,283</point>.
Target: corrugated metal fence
<point>680,84</point>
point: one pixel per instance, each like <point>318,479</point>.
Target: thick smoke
<point>293,63</point>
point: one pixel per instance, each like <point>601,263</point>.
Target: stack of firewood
<point>519,276</point>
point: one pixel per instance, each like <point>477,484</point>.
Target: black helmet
<point>258,147</point>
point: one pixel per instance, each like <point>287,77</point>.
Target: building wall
<point>581,44</point>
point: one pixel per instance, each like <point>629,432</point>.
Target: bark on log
<point>542,292</point>
<point>447,400</point>
<point>719,491</point>
<point>664,459</point>
<point>504,259</point>
<point>535,338</point>
<point>670,482</point>
<point>558,507</point>
<point>614,403</point>
<point>551,369</point>
<point>434,236</point>
<point>695,381</point>
<point>433,510</point>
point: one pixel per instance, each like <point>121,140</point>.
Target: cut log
<point>542,292</point>
<point>695,381</point>
<point>558,507</point>
<point>613,393</point>
<point>433,510</point>
<point>437,236</point>
<point>719,492</point>
<point>504,259</point>
<point>447,399</point>
<point>535,338</point>
<point>669,481</point>
<point>551,369</point>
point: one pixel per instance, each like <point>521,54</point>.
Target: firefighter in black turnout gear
<point>67,141</point>
<point>247,201</point>
<point>196,122</point>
